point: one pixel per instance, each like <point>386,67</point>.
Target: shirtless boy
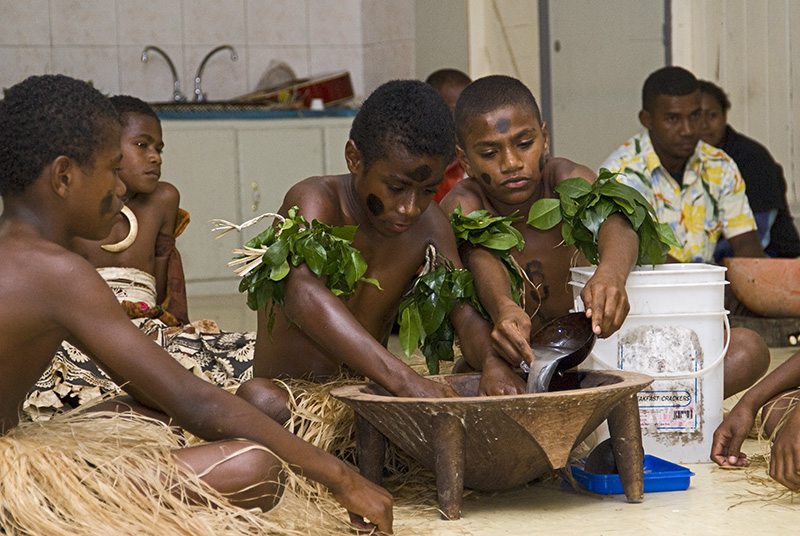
<point>400,144</point>
<point>154,203</point>
<point>504,147</point>
<point>59,153</point>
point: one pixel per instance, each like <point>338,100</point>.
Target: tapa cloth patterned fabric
<point>223,358</point>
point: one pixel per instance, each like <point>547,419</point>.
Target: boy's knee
<point>753,348</point>
<point>253,478</point>
<point>266,396</point>
<point>747,360</point>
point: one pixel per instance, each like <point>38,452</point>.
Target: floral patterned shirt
<point>710,202</point>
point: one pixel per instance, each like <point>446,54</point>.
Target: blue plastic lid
<point>659,475</point>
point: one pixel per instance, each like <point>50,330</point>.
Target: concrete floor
<point>718,501</point>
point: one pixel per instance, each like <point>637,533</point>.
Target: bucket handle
<point>681,375</point>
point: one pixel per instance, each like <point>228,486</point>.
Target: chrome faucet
<point>199,96</point>
<point>177,95</point>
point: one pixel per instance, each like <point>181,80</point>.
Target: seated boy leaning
<point>401,142</point>
<point>504,146</point>
<point>59,156</point>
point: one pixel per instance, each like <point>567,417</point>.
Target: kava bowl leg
<point>370,450</point>
<point>449,439</point>
<point>626,443</point>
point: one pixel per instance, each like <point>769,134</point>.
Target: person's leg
<point>774,411</point>
<point>746,361</point>
<point>266,396</point>
<point>124,403</point>
<point>245,473</point>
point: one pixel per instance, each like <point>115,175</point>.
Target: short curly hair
<point>44,117</point>
<point>409,113</point>
<point>671,81</point>
<point>490,93</point>
<point>127,105</point>
<point>439,79</point>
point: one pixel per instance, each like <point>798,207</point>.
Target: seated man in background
<point>697,190</point>
<point>763,177</point>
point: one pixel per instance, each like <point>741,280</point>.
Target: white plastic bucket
<point>671,298</point>
<point>683,350</point>
<point>676,273</point>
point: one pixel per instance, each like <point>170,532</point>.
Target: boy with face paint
<point>59,158</point>
<point>401,142</point>
<point>504,147</point>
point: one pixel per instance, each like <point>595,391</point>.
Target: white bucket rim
<point>663,285</point>
<point>680,267</point>
<point>679,315</point>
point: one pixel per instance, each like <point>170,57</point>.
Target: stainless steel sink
<point>240,110</point>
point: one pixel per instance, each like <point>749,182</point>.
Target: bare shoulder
<point>165,198</point>
<point>466,193</point>
<point>318,198</point>
<point>160,206</point>
<point>557,170</point>
<point>45,269</point>
<point>167,193</point>
<point>435,227</point>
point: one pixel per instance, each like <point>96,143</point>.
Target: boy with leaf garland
<point>325,305</point>
<point>504,147</point>
<point>59,158</point>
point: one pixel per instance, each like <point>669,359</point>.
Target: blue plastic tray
<point>659,475</point>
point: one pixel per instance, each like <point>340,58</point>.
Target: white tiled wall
<point>102,41</point>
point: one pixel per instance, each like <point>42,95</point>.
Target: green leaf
<point>313,253</point>
<point>481,228</point>
<point>545,214</point>
<point>574,187</point>
<point>279,272</point>
<point>346,233</point>
<point>409,331</point>
<point>372,281</point>
<point>423,315</point>
<point>666,235</point>
<point>276,253</point>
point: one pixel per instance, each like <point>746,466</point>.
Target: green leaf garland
<point>424,314</point>
<point>582,207</point>
<point>495,233</point>
<point>325,249</point>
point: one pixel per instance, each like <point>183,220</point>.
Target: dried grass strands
<point>329,424</point>
<point>98,473</point>
<point>762,487</point>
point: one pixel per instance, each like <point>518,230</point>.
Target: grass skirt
<point>98,473</point>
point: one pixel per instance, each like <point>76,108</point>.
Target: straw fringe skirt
<point>98,473</point>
